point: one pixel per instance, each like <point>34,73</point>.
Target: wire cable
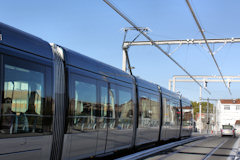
<point>153,43</point>
<point>199,27</point>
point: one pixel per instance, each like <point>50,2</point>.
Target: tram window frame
<point>46,94</point>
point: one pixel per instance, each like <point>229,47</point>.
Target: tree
<point>195,106</point>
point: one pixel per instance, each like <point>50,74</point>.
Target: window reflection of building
<point>23,97</point>
<point>114,111</point>
<point>187,115</point>
<point>149,110</point>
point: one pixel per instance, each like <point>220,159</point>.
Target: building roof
<point>187,107</point>
<point>237,122</point>
<point>230,101</point>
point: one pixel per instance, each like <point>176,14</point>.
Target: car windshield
<point>227,127</point>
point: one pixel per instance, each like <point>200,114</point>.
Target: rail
<point>148,152</point>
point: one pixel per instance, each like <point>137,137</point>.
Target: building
<point>207,123</point>
<point>227,112</point>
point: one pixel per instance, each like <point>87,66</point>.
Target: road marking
<point>214,150</point>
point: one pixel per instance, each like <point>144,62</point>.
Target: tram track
<point>215,149</point>
<point>210,148</point>
<point>152,151</point>
<point>202,148</point>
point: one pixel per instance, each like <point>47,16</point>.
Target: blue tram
<point>58,104</point>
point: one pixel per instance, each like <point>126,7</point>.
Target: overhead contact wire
<point>153,43</point>
<point>200,28</point>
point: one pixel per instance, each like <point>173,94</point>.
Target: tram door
<point>102,117</point>
<point>115,121</point>
<point>120,115</point>
<point>83,117</point>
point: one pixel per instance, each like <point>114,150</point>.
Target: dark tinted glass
<point>227,127</point>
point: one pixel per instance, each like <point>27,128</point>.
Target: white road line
<point>218,146</point>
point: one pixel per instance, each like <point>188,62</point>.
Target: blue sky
<point>94,29</point>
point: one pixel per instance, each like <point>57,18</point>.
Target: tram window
<point>112,104</point>
<point>145,112</point>
<point>167,112</point>
<point>173,113</point>
<point>23,100</point>
<point>155,109</point>
<point>125,108</point>
<point>164,108</point>
<point>178,112</point>
<point>104,101</point>
<point>83,105</point>
<point>102,111</point>
<point>112,107</point>
<point>187,114</point>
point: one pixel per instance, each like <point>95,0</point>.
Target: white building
<point>227,112</point>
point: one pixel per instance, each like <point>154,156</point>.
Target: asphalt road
<point>211,148</point>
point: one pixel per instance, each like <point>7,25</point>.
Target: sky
<point>92,28</point>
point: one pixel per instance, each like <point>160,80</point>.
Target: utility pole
<point>200,110</point>
<point>207,115</point>
<point>124,60</point>
<point>213,112</point>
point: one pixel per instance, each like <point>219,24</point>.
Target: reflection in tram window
<point>168,113</point>
<point>22,108</point>
<point>165,113</point>
<point>172,112</point>
<point>155,106</point>
<point>84,106</point>
<point>144,111</point>
<point>102,115</point>
<point>187,115</point>
<point>125,108</point>
<point>111,112</point>
<point>149,110</point>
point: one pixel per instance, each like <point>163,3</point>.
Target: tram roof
<point>21,40</point>
<point>84,62</point>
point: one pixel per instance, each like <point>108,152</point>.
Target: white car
<point>228,130</point>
